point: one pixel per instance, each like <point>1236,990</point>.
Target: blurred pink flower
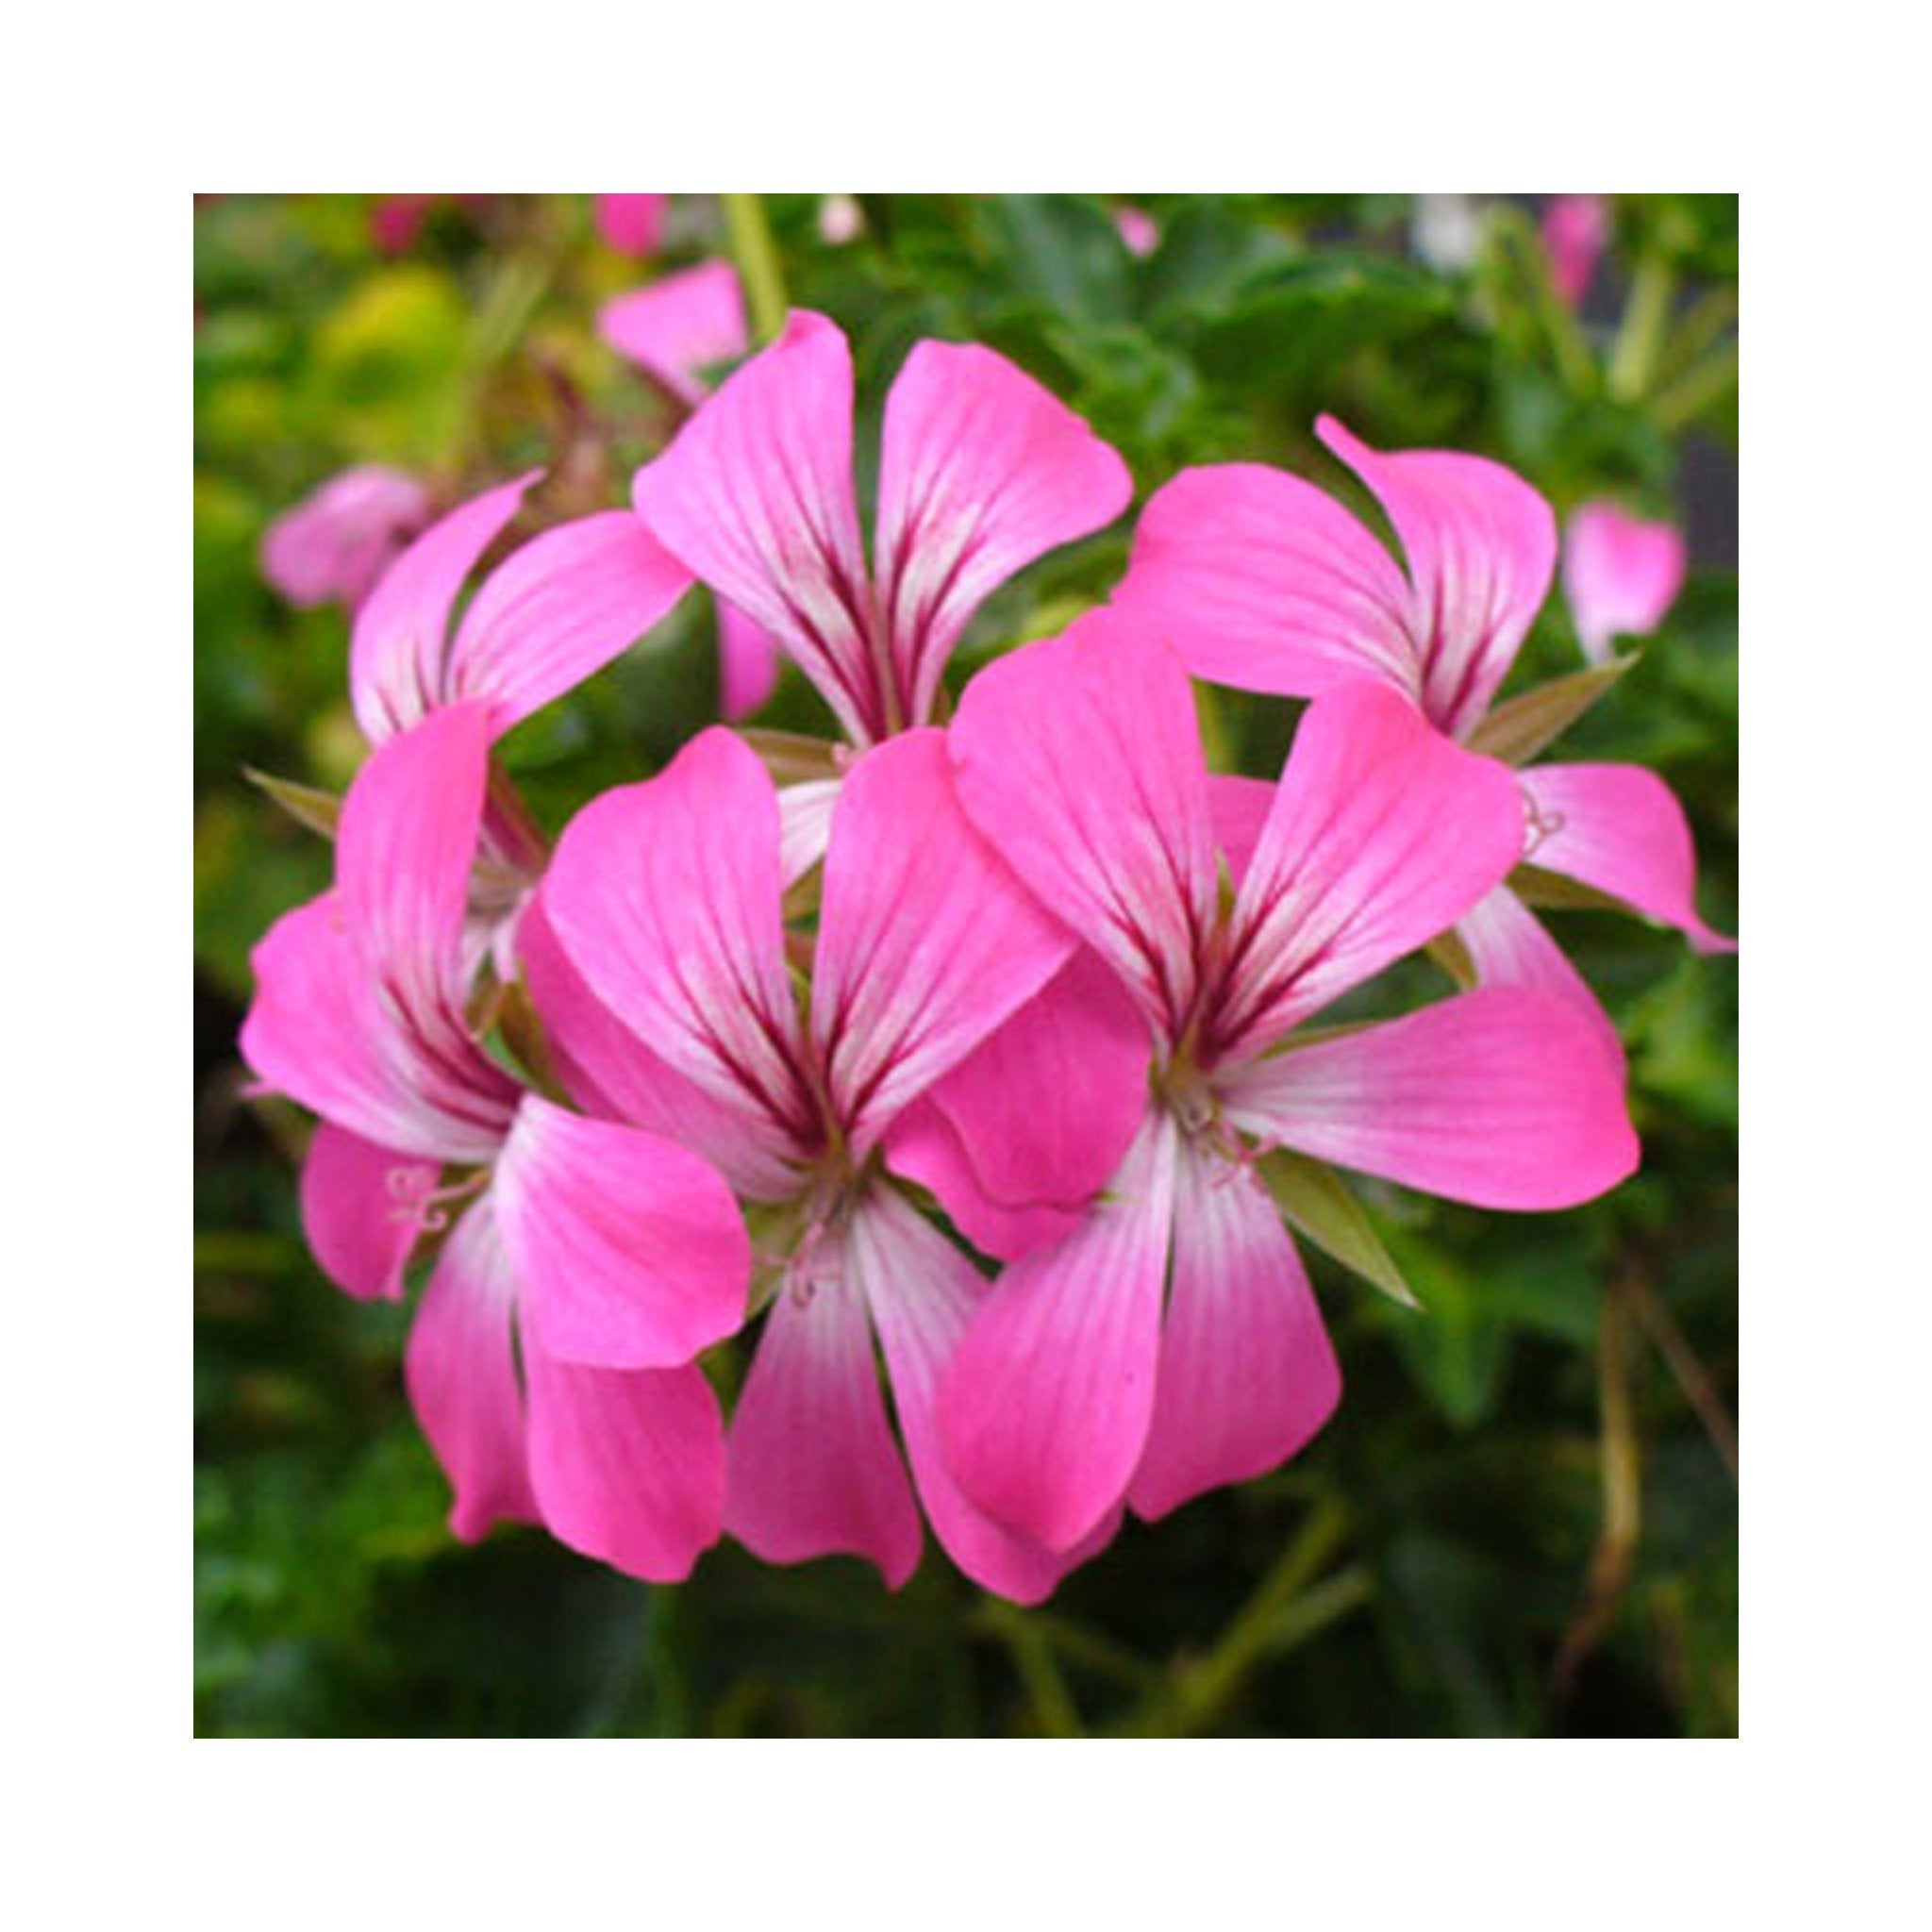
<point>396,221</point>
<point>840,220</point>
<point>1575,228</point>
<point>1138,229</point>
<point>331,547</point>
<point>678,327</point>
<point>631,223</point>
<point>1621,575</point>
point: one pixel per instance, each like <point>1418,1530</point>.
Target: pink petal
<point>1262,581</point>
<point>559,610</point>
<point>1574,229</point>
<point>1241,808</point>
<point>318,1032</point>
<point>333,546</point>
<point>666,898</point>
<point>1503,1097</point>
<point>1079,759</point>
<point>1020,1135</point>
<point>631,223</point>
<point>608,1071</point>
<point>1481,546</point>
<point>923,1146</point>
<point>805,820</point>
<point>1621,575</point>
<point>1509,947</point>
<point>630,1250</point>
<point>747,664</point>
<point>627,1464</point>
<point>1045,1411</point>
<point>1382,833</point>
<point>813,1469</point>
<point>923,1292</point>
<point>361,1211</point>
<point>679,326</point>
<point>1620,829</point>
<point>926,940</point>
<point>1247,1375</point>
<point>755,496</point>
<point>405,845</point>
<point>460,1368</point>
<point>386,1050</point>
<point>982,471</point>
<point>396,649</point>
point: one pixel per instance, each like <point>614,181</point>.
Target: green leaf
<point>1210,253</point>
<point>1295,330</point>
<point>1460,1352</point>
<point>1062,251</point>
<point>1517,730</point>
<point>1315,1198</point>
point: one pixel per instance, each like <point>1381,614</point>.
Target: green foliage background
<point>1520,1522</point>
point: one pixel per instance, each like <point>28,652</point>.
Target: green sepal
<point>791,757</point>
<point>1554,892</point>
<point>1317,1201</point>
<point>306,804</point>
<point>1450,951</point>
<point>1516,730</point>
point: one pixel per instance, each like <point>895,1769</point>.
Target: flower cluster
<point>965,1074</point>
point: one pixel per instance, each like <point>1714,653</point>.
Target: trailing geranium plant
<point>924,1140</point>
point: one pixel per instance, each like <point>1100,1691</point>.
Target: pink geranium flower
<point>550,1361</point>
<point>1575,228</point>
<point>1263,581</point>
<point>333,546</point>
<point>553,613</point>
<point>631,223</point>
<point>681,324</point>
<point>1137,228</point>
<point>660,962</point>
<point>396,221</point>
<point>840,220</point>
<point>1172,1343</point>
<point>981,472</point>
<point>1621,575</point>
<point>556,610</point>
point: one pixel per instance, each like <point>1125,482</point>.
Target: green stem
<point>1614,1560</point>
<point>1697,389</point>
<point>1701,327</point>
<point>1287,1608</point>
<point>1053,1702</point>
<point>1641,336</point>
<point>1075,1642</point>
<point>756,255</point>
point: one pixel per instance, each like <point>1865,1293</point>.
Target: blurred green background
<point>1523,1517</point>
